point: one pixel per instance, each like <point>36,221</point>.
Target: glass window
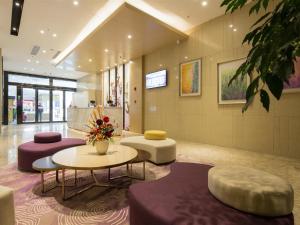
<point>68,101</point>
<point>112,86</point>
<point>58,105</point>
<point>12,104</point>
<point>119,82</point>
<point>106,88</point>
<point>64,83</point>
<point>28,79</point>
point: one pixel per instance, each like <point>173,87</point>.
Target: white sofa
<point>161,151</point>
<point>7,210</point>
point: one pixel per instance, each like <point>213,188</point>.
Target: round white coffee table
<point>86,158</point>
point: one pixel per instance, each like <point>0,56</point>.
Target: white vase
<point>102,146</point>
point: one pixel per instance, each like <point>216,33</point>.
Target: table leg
<point>56,176</point>
<point>108,174</point>
<point>43,181</point>
<point>63,184</point>
<point>144,170</point>
<point>75,177</point>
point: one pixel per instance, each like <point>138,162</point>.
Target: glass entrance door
<point>43,108</point>
<point>12,104</point>
<point>28,105</point>
<point>57,105</point>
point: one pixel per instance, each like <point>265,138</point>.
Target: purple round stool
<point>44,144</point>
<point>47,137</point>
<point>182,198</point>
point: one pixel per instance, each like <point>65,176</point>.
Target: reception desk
<point>78,118</point>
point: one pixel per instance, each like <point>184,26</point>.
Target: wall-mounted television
<point>156,79</point>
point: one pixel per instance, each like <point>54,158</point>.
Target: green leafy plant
<point>275,42</point>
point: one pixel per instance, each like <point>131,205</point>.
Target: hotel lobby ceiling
<point>127,34</point>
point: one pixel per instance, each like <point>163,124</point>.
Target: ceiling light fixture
<point>90,60</point>
<point>42,31</point>
<point>124,60</point>
<point>235,30</point>
<point>14,28</point>
<point>44,51</point>
<point>230,25</point>
<point>37,61</point>
<point>130,62</point>
<point>54,35</point>
<point>17,4</point>
<point>28,60</point>
<point>106,50</point>
<point>76,3</point>
<point>204,3</point>
<point>129,36</point>
<point>79,66</point>
<point>160,65</point>
<point>186,57</point>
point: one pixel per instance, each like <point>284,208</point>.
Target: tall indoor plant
<point>275,44</point>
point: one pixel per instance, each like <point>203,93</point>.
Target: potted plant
<point>101,132</point>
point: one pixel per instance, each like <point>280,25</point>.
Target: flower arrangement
<point>100,128</point>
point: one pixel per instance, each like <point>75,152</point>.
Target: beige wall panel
<point>1,88</point>
<point>136,95</point>
<point>201,118</point>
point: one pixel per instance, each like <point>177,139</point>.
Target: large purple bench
<point>44,144</point>
<point>183,198</point>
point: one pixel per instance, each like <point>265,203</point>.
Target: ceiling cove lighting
<point>101,16</point>
<point>17,9</point>
<point>111,7</point>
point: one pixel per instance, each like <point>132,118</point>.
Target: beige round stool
<point>251,190</point>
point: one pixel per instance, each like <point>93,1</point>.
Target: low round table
<point>86,158</point>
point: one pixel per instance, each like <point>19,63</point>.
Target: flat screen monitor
<point>156,79</point>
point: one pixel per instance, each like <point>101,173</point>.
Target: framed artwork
<point>294,81</point>
<point>236,92</point>
<point>190,78</point>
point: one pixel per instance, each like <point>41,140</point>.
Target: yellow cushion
<point>155,135</point>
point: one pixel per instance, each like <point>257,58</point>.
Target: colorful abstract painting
<point>294,81</point>
<point>190,78</point>
<point>236,92</point>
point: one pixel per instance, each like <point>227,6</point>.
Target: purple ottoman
<point>183,198</point>
<point>42,147</point>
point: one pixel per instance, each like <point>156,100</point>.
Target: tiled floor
<point>286,168</point>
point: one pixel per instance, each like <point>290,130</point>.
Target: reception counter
<point>78,118</point>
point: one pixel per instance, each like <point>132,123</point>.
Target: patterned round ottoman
<point>251,190</point>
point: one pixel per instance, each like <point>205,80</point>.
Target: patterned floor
<point>97,206</point>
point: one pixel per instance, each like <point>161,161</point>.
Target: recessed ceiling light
<point>101,70</point>
<point>54,35</point>
<point>130,62</point>
<point>186,57</point>
<point>124,60</point>
<point>230,25</point>
<point>204,3</point>
<point>90,60</point>
<point>17,4</point>
<point>28,60</point>
<point>42,31</point>
<point>106,50</point>
<point>116,64</point>
<point>79,66</point>
<point>37,61</point>
<point>234,29</point>
<point>44,51</point>
<point>75,3</point>
<point>14,28</point>
<point>129,36</point>
<point>160,65</point>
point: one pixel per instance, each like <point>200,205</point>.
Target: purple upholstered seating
<point>183,198</point>
<point>44,144</point>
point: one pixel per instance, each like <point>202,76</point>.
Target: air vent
<point>35,50</point>
<point>56,54</point>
